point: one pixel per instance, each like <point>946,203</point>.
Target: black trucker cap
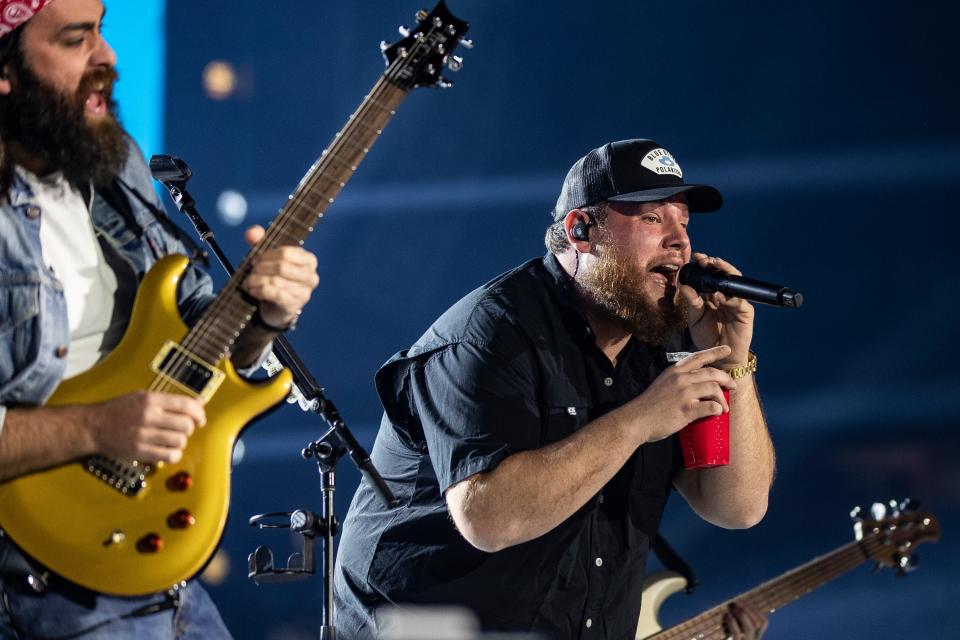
<point>631,171</point>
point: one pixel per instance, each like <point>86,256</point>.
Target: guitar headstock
<point>892,531</point>
<point>418,59</point>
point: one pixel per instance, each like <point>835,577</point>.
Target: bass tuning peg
<point>909,504</point>
<point>455,63</point>
<point>878,511</point>
<point>906,564</point>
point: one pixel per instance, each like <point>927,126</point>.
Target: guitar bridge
<point>186,371</point>
<point>129,478</point>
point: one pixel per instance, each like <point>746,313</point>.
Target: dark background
<point>831,129</point>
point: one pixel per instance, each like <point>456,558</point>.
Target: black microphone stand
<point>174,173</point>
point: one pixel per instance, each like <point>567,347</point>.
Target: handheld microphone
<point>710,280</point>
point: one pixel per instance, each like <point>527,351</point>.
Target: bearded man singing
<point>79,226</point>
<point>530,432</point>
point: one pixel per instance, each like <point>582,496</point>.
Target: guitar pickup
<point>186,371</point>
<point>129,478</point>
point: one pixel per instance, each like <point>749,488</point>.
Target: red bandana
<point>14,13</point>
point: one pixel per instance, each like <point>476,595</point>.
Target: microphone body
<point>711,280</point>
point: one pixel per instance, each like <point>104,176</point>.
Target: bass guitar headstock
<point>890,532</point>
<point>418,59</point>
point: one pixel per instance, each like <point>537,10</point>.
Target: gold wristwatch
<point>744,369</point>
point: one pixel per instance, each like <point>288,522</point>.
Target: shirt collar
<point>560,287</point>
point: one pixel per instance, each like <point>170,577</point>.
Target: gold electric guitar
<point>888,539</point>
<point>127,528</point>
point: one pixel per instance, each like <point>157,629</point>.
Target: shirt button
<point>608,382</point>
<point>601,498</point>
<point>62,351</point>
<point>589,622</point>
<point>598,562</point>
<point>33,212</point>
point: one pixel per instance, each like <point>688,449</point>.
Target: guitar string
<point>712,618</point>
<point>180,361</point>
<point>705,626</point>
<point>290,211</point>
<point>344,138</point>
<point>710,622</point>
<point>212,317</point>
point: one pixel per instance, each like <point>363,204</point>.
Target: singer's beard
<point>619,288</point>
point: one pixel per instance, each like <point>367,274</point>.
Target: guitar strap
<point>115,195</point>
<point>672,561</point>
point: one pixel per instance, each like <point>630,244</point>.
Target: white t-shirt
<point>72,251</point>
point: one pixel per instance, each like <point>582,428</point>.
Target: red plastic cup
<point>706,442</point>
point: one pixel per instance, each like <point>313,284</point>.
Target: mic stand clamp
<point>260,564</point>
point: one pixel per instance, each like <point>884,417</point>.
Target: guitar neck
<point>779,592</point>
<point>213,336</point>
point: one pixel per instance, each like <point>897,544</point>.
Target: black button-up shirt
<point>513,366</point>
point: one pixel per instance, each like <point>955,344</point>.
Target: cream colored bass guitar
<point>887,540</point>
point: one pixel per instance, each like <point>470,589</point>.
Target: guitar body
<point>657,587</point>
<point>68,519</point>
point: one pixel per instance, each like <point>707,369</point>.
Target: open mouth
<point>96,103</point>
<point>665,274</point>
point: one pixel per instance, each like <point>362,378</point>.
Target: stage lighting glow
<point>218,570</point>
<point>219,79</point>
<point>232,207</point>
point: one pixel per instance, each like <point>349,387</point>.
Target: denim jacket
<point>33,313</point>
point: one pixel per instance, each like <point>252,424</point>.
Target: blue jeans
<point>67,611</point>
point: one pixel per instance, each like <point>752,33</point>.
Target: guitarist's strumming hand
<point>144,425</point>
<point>282,280</point>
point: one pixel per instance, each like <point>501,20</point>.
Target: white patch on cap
<point>662,163</point>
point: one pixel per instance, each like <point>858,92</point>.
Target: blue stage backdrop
<point>137,32</point>
<point>831,128</point>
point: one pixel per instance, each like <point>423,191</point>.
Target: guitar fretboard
<point>776,593</point>
<point>214,335</point>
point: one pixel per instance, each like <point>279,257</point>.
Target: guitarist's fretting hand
<point>744,622</point>
<point>147,426</point>
<point>282,280</point>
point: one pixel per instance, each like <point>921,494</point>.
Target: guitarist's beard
<point>53,127</point>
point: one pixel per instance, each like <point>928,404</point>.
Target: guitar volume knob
<point>181,519</point>
<point>150,543</point>
<point>180,481</point>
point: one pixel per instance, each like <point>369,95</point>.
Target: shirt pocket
<point>19,314</point>
<point>562,416</point>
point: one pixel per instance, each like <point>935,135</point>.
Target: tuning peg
<point>467,43</point>
<point>906,564</point>
<point>855,513</point>
<point>404,31</point>
<point>878,511</point>
<point>444,83</point>
<point>909,504</point>
<point>455,63</point>
<point>384,45</point>
<point>421,15</point>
